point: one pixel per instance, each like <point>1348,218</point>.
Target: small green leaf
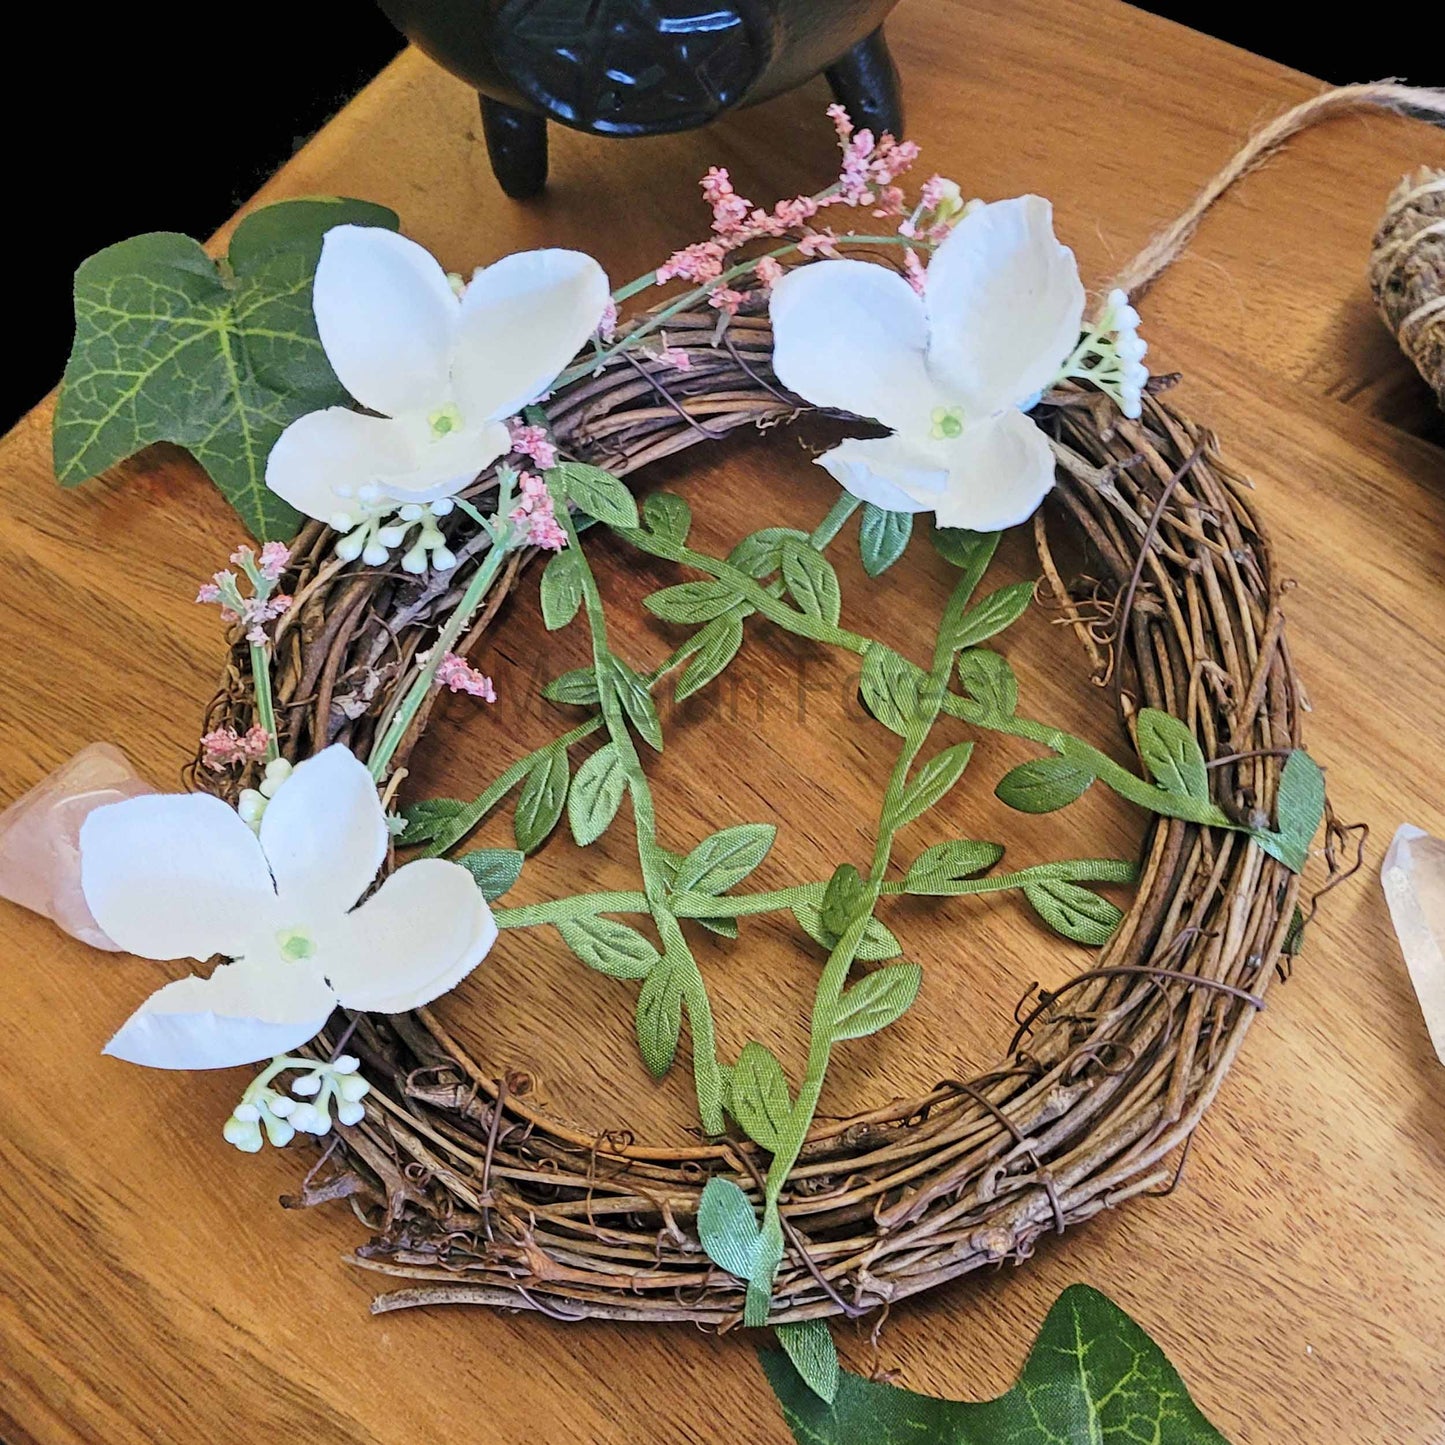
<point>596,794</point>
<point>495,869</point>
<point>760,554</point>
<point>577,688</point>
<point>1299,807</point>
<point>891,687</point>
<point>760,1099</point>
<point>970,551</point>
<point>1172,754</point>
<point>1074,911</point>
<point>932,781</point>
<point>876,1000</point>
<point>723,927</point>
<point>723,860</point>
<point>944,863</point>
<point>718,645</point>
<point>841,900</point>
<point>878,942</point>
<point>668,516</point>
<point>882,538</point>
<point>691,602</point>
<point>728,1228</point>
<point>810,1347</point>
<point>989,680</point>
<point>659,1019</point>
<point>562,580</point>
<point>1043,785</point>
<point>599,494</point>
<point>812,582</point>
<point>427,817</point>
<point>636,699</point>
<point>539,806</point>
<point>987,618</point>
<point>1294,939</point>
<point>1093,1376</point>
<point>168,347</point>
<point>616,949</point>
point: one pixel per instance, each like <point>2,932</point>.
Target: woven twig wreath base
<point>475,1196</point>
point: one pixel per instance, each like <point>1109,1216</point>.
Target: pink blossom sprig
<point>265,604</point>
<point>457,674</point>
<point>534,515</point>
<point>867,178</point>
<point>225,746</point>
<point>533,443</point>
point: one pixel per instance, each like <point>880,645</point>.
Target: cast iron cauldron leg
<point>865,80</point>
<point>516,146</point>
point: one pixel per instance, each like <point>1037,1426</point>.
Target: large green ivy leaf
<point>171,346</point>
<point>1093,1378</point>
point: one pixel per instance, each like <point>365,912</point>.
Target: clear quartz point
<point>1413,875</point>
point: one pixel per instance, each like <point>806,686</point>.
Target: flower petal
<point>322,458</point>
<point>423,931</point>
<point>441,466</point>
<point>889,472</point>
<point>853,335</point>
<point>523,319</point>
<point>999,472</point>
<point>175,875</point>
<point>387,318</point>
<point>324,835</point>
<point>244,1012</point>
<point>1004,303</point>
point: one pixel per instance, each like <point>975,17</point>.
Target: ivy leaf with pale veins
<point>1093,1376</point>
<point>172,347</point>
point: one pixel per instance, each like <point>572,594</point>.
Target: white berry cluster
<point>1111,355</point>
<point>266,1113</point>
<point>374,525</point>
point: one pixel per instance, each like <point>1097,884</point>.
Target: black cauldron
<point>643,67</point>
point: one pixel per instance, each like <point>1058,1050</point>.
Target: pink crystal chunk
<point>1413,876</point>
<point>40,837</point>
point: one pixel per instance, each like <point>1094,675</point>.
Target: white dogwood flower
<point>174,876</point>
<point>443,370</point>
<point>951,372</point>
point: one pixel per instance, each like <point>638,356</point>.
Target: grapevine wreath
<point>956,334</point>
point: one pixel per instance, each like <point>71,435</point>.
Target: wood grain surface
<point>150,1288</point>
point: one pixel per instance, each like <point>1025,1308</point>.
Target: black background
<point>141,118</point>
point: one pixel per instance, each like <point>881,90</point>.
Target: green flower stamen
<point>444,421</point>
<point>947,423</point>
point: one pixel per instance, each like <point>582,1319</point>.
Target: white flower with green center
<point>952,372</point>
<point>184,876</point>
<point>443,370</point>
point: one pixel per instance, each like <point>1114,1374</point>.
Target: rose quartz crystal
<point>40,837</point>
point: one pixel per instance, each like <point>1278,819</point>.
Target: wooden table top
<point>151,1290</point>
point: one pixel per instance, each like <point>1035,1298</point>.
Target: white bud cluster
<point>377,525</point>
<point>1111,355</point>
<point>251,805</point>
<point>265,1113</point>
